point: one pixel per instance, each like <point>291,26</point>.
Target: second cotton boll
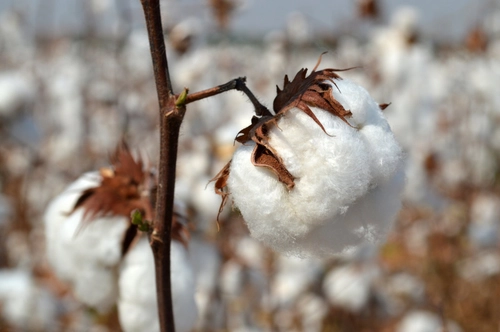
<point>336,171</point>
<point>105,259</point>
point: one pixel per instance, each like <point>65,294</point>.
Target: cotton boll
<point>484,265</point>
<point>347,180</point>
<point>292,278</point>
<point>137,304</point>
<point>84,254</point>
<point>206,262</point>
<point>350,286</point>
<point>424,321</point>
<point>312,310</point>
<point>23,305</point>
<point>250,251</point>
<point>401,290</point>
<point>16,90</point>
<point>485,220</point>
<point>231,279</point>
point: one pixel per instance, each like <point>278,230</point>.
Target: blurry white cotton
<point>292,278</point>
<point>347,181</point>
<point>137,306</point>
<point>206,262</point>
<point>16,90</point>
<point>349,286</point>
<point>424,321</point>
<point>22,304</point>
<point>85,255</point>
<point>485,220</point>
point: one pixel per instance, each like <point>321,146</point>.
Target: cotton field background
<point>68,99</point>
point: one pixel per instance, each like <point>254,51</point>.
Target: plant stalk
<point>172,110</point>
<point>170,123</point>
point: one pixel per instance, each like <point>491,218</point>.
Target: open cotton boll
<point>85,255</point>
<point>137,304</point>
<point>347,178</point>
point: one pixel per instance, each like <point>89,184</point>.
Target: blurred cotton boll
<point>89,257</point>
<point>350,286</point>
<point>347,178</point>
<point>424,321</point>
<point>85,256</point>
<point>137,306</point>
<point>23,305</point>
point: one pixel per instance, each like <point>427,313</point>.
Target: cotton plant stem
<point>170,122</point>
<point>172,110</point>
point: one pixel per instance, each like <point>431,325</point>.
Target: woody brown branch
<point>170,122</point>
<point>171,115</point>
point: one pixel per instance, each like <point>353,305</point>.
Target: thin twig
<point>235,84</point>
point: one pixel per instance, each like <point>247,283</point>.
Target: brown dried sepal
<point>221,186</point>
<point>267,158</point>
<point>123,188</point>
<point>303,92</point>
<point>127,186</point>
<point>384,106</point>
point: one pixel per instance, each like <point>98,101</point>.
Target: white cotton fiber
<point>137,306</point>
<point>424,321</point>
<point>84,254</point>
<point>347,181</point>
<point>350,286</point>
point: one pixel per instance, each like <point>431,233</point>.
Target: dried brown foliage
<point>125,187</point>
<point>477,40</point>
<point>222,10</point>
<point>368,8</point>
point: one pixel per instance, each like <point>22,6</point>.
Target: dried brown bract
<point>124,187</point>
<point>368,8</point>
<point>222,10</point>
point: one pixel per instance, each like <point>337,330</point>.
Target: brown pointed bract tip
<point>384,106</point>
<point>125,186</point>
<point>221,186</point>
<point>122,189</point>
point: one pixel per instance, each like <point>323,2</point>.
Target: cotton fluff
<point>137,306</point>
<point>424,321</point>
<point>347,181</point>
<point>85,255</point>
<point>350,286</point>
<point>24,305</point>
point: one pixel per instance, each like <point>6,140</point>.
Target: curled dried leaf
<point>264,157</point>
<point>384,106</point>
<point>127,189</point>
<point>305,91</point>
<point>122,189</point>
<point>221,186</point>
